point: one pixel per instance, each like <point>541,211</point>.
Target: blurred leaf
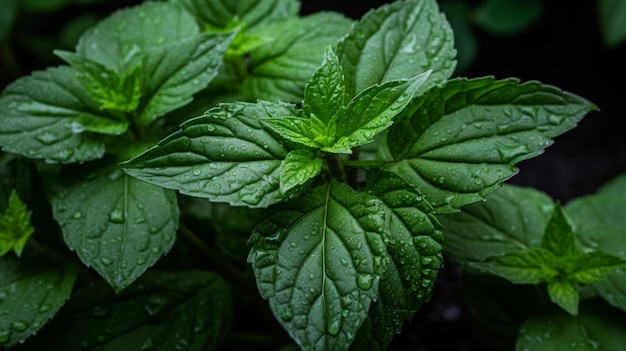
<point>505,17</point>
<point>7,16</point>
<point>458,15</point>
<point>612,17</point>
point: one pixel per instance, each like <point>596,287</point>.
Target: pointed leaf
<point>511,219</point>
<point>251,13</point>
<point>325,93</point>
<point>395,41</point>
<point>297,129</point>
<point>225,156</point>
<point>175,72</point>
<point>414,244</point>
<point>559,237</point>
<point>318,261</point>
<point>531,266</point>
<point>598,221</point>
<point>280,69</point>
<point>373,110</point>
<point>461,141</point>
<point>117,224</point>
<point>46,116</point>
<point>15,227</point>
<point>564,294</point>
<point>594,266</point>
<point>31,292</point>
<point>162,311</point>
<point>298,167</point>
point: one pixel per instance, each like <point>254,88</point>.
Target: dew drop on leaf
<point>106,261</point>
<point>19,326</point>
<point>77,215</point>
<point>116,216</point>
<point>364,280</point>
<point>334,325</point>
<point>286,313</point>
<point>5,335</point>
<point>44,308</point>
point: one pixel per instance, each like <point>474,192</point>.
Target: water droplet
<point>147,345</point>
<point>77,215</point>
<point>509,152</point>
<point>155,250</point>
<point>5,335</point>
<point>47,138</point>
<point>286,313</point>
<point>195,81</point>
<point>19,326</point>
<point>196,171</point>
<point>77,128</point>
<point>555,120</point>
<point>106,261</point>
<point>334,325</point>
<point>154,230</point>
<point>155,304</point>
<point>210,128</point>
<point>44,308</point>
<point>116,216</point>
<point>364,280</point>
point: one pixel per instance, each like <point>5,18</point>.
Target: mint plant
<point>333,146</point>
<point>574,254</point>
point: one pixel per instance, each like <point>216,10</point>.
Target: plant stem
<point>55,257</point>
<point>336,167</point>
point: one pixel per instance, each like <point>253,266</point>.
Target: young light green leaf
<point>15,227</point>
<point>414,243</point>
<point>187,310</point>
<point>596,327</point>
<point>325,93</point>
<point>117,224</point>
<point>598,221</point>
<point>48,115</point>
<point>304,131</point>
<point>565,294</point>
<point>373,111</point>
<point>531,266</point>
<point>225,156</point>
<point>459,142</point>
<point>298,167</point>
<point>559,237</point>
<point>511,219</point>
<point>395,41</point>
<point>318,261</point>
<point>108,89</point>
<point>280,69</point>
<point>594,266</point>
<point>250,13</point>
<point>31,292</point>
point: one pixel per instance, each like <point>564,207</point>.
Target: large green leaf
<point>397,41</point>
<point>598,220</point>
<point>318,261</point>
<point>117,224</point>
<point>414,244</point>
<point>49,115</point>
<point>31,292</point>
<point>220,14</point>
<point>225,156</point>
<point>280,69</point>
<point>460,141</point>
<point>513,218</point>
<point>596,328</point>
<point>162,311</point>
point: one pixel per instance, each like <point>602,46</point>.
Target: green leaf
<point>162,311</point>
<point>594,266</point>
<point>612,18</point>
<point>7,17</point>
<point>47,115</point>
<point>564,294</point>
<point>596,328</point>
<point>318,261</point>
<point>559,237</point>
<point>225,156</point>
<point>414,243</point>
<point>109,90</point>
<point>250,13</point>
<point>175,72</point>
<point>305,131</point>
<point>372,111</point>
<point>15,227</point>
<point>280,69</point>
<point>31,292</point>
<point>298,167</point>
<point>511,219</point>
<point>460,141</point>
<point>598,221</point>
<point>325,93</point>
<point>531,266</point>
<point>395,41</point>
<point>117,224</point>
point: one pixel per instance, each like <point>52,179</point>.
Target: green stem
<point>336,167</point>
<point>56,258</point>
